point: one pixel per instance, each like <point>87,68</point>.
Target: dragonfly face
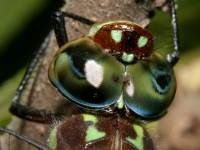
<point>115,67</point>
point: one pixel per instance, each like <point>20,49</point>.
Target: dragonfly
<point>112,82</point>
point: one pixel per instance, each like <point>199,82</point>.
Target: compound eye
<point>86,76</point>
<point>150,87</point>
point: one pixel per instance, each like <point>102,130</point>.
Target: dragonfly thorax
<point>91,132</point>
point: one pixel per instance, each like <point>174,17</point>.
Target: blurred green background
<point>24,23</point>
<point>23,26</point>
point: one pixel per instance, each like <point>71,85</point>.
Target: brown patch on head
<point>126,40</point>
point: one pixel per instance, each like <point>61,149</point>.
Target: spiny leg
<point>59,25</point>
<point>59,28</point>
<point>174,56</point>
<point>79,18</point>
<point>32,114</point>
<point>25,111</point>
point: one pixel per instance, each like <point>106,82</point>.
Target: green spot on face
<point>116,35</point>
<point>52,139</point>
<point>138,142</point>
<point>88,117</point>
<point>127,57</point>
<point>93,134</point>
<point>142,41</point>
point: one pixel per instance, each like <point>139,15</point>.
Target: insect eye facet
<point>86,76</point>
<point>154,85</point>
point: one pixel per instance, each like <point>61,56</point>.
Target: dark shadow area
<point>20,50</point>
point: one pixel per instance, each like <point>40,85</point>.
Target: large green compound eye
<point>86,76</point>
<point>150,87</point>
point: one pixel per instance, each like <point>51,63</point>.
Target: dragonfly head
<point>97,71</point>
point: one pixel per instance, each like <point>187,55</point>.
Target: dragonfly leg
<point>25,111</point>
<point>59,28</point>
<point>79,18</point>
<point>32,114</point>
<point>174,56</point>
<point>59,22</point>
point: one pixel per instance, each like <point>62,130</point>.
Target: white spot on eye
<point>94,73</point>
<point>130,88</point>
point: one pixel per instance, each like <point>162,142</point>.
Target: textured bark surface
<point>40,93</point>
<point>180,128</point>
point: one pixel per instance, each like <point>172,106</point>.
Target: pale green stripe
<point>138,142</point>
<point>93,134</point>
<point>53,139</point>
